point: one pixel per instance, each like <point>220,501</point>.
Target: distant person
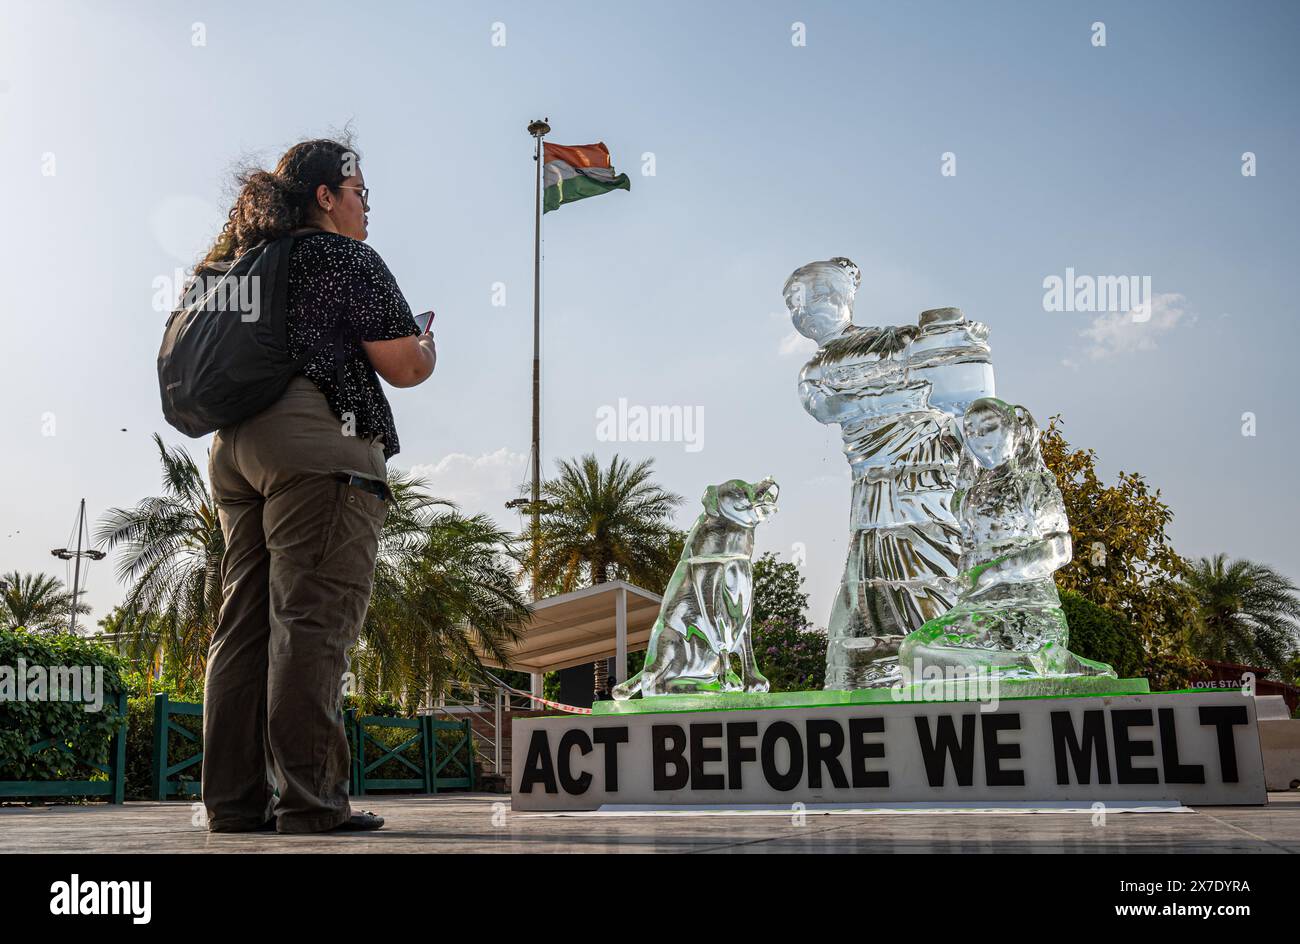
<point>301,492</point>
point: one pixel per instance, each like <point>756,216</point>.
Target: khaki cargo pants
<point>296,579</point>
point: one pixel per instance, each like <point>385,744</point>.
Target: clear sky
<point>120,131</point>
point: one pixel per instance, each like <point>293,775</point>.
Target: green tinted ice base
<point>952,690</point>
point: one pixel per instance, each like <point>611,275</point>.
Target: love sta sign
<point>1201,748</point>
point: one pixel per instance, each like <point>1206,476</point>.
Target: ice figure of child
<point>1007,621</point>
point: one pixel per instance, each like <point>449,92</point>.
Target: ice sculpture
<point>1007,621</point>
<point>704,620</point>
<point>896,393</point>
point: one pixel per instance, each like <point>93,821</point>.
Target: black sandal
<point>358,821</point>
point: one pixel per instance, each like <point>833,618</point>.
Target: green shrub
<point>391,769</point>
<point>1097,633</point>
<point>139,737</point>
<point>792,657</point>
<point>79,737</point>
<point>448,739</point>
<point>381,705</point>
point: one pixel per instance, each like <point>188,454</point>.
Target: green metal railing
<point>453,766</point>
<point>444,762</point>
<point>113,788</point>
<point>443,756</point>
<point>166,776</point>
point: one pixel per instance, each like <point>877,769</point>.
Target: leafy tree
<point>1248,613</point>
<point>1123,559</point>
<point>445,589</point>
<point>1291,672</point>
<point>115,623</point>
<point>603,524</point>
<point>791,653</point>
<point>778,591</point>
<point>37,602</point>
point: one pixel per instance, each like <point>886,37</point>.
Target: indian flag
<point>577,171</point>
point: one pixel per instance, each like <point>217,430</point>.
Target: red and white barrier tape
<point>555,704</point>
<point>531,697</point>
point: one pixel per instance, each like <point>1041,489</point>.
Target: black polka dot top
<point>340,289</point>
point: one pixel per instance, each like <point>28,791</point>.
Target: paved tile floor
<point>484,823</point>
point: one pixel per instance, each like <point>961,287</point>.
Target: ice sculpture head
<point>997,432</point>
<point>820,297</point>
<point>742,503</point>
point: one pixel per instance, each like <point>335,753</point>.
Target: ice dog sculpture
<point>704,619</point>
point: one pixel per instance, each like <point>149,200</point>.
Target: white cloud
<point>1116,333</point>
<point>482,483</point>
<point>796,343</point>
<point>792,342</point>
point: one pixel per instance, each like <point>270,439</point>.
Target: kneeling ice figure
<point>1007,621</point>
<point>707,608</point>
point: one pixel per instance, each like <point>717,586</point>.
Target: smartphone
<point>427,323</point>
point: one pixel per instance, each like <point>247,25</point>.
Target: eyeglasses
<point>364,191</point>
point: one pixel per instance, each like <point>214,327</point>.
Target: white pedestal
<point>1200,748</point>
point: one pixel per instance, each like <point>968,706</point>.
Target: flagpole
<point>538,130</point>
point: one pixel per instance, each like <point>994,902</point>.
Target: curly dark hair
<point>274,203</point>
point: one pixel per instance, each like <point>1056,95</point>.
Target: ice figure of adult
<point>895,392</point>
<point>1007,622</point>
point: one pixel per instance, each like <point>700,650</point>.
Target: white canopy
<point>583,626</point>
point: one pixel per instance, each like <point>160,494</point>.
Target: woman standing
<point>301,492</point>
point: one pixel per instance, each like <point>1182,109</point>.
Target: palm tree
<point>35,601</point>
<point>173,546</point>
<point>1247,612</point>
<point>442,583</point>
<point>605,524</point>
<point>600,525</point>
<point>445,589</point>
